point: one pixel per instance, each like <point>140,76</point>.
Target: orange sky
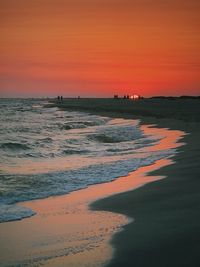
<point>99,47</point>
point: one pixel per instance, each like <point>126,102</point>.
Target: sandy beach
<point>155,225</point>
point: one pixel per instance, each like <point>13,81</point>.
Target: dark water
<point>46,151</point>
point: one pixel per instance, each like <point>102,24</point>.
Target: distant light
<point>134,97</point>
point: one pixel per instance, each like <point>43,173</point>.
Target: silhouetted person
<point>58,98</point>
<point>127,96</point>
<point>61,98</point>
<point>124,96</point>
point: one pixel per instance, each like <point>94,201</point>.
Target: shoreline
<point>171,208</point>
<point>167,211</point>
<point>44,213</point>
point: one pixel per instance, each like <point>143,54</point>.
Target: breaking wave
<point>60,151</point>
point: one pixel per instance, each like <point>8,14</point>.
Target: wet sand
<point>66,232</point>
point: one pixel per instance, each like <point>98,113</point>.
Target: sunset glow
<point>95,47</point>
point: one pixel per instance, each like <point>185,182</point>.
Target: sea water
<point>47,152</point>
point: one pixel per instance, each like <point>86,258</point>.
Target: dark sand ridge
<point>166,230</point>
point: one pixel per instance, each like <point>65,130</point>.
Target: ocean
<point>47,152</point>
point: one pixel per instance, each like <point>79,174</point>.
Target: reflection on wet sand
<point>65,232</point>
